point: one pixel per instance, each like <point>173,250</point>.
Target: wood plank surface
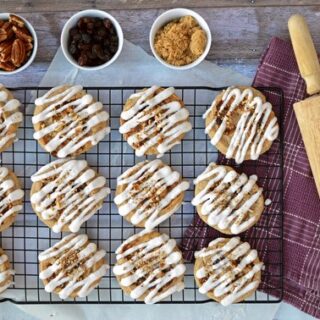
<point>70,5</point>
<point>240,30</point>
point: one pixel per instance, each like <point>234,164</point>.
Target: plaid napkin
<point>301,232</point>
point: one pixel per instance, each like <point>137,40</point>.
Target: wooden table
<point>241,29</point>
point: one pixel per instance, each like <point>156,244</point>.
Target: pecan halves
<point>22,33</point>
<point>4,45</point>
<point>29,47</point>
<point>18,53</point>
<point>7,66</point>
<point>5,51</point>
<point>16,21</point>
<point>6,31</point>
<point>16,43</point>
<point>3,35</point>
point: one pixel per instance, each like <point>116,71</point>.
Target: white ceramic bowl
<point>5,16</point>
<point>73,21</point>
<point>170,15</point>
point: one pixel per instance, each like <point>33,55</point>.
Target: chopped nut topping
<point>68,260</point>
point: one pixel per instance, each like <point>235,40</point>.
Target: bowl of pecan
<point>18,43</point>
<point>91,39</point>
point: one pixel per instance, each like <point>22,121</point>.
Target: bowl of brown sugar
<point>180,39</point>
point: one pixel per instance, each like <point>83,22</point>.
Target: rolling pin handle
<point>305,53</point>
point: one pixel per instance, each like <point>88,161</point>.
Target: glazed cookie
<point>149,193</point>
<point>241,124</point>
<point>11,198</point>
<point>149,267</point>
<point>10,118</point>
<point>6,272</point>
<point>226,200</point>
<point>154,120</point>
<point>73,267</point>
<point>68,121</point>
<point>228,270</point>
<point>66,193</point>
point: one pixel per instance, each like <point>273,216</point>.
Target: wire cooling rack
<point>112,156</point>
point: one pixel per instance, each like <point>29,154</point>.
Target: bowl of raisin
<point>91,39</point>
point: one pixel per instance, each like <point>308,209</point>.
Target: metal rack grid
<point>29,236</point>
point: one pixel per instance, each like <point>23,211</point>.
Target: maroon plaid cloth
<point>301,232</point>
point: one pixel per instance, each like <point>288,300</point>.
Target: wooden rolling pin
<point>308,110</point>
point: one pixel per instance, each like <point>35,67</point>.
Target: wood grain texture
<point>240,29</point>
<point>68,5</point>
<point>305,52</point>
<point>308,116</point>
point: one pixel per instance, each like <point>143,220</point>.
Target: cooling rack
<point>112,156</point>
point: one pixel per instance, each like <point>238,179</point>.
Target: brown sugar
<point>180,41</point>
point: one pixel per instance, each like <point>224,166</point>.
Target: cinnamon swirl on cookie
<point>241,124</point>
<point>11,198</point>
<point>228,270</point>
<point>154,120</point>
<point>6,272</point>
<point>149,193</point>
<point>226,200</point>
<point>68,121</point>
<point>149,267</point>
<point>10,118</point>
<point>73,267</point>
<point>66,193</point>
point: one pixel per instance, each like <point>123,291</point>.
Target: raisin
<point>77,37</point>
<point>86,38</point>
<point>107,23</point>
<point>97,23</point>
<point>96,38</point>
<point>72,48</point>
<point>90,25</point>
<point>83,59</point>
<point>97,49</point>
<point>102,32</point>
<point>74,31</point>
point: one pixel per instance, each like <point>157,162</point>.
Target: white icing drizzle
<point>223,204</point>
<point>87,114</point>
<point>248,137</point>
<point>149,266</point>
<point>61,180</point>
<point>9,110</point>
<point>163,123</point>
<point>144,182</point>
<point>267,202</point>
<point>6,274</point>
<point>224,279</point>
<point>8,194</point>
<point>71,276</point>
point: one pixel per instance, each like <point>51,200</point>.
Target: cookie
<point>241,124</point>
<point>73,267</point>
<point>149,193</point>
<point>149,267</point>
<point>68,121</point>
<point>66,193</point>
<point>10,118</point>
<point>226,200</point>
<point>6,272</point>
<point>154,120</point>
<point>228,270</point>
<point>11,198</point>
